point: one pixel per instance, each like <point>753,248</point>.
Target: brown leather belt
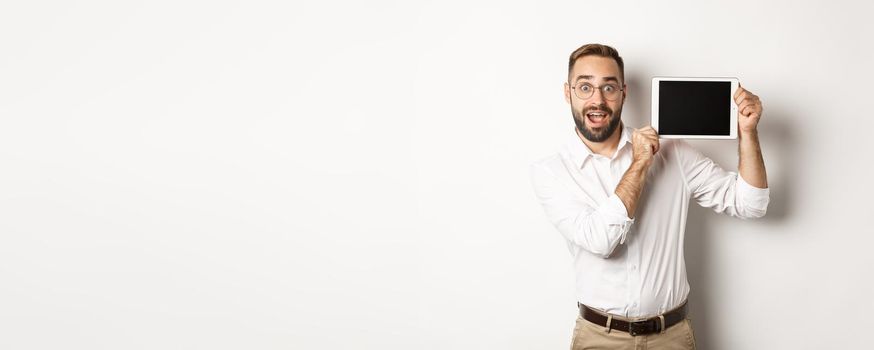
<point>642,327</point>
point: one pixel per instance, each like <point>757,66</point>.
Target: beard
<point>597,134</point>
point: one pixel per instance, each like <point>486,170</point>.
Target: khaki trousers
<point>588,335</point>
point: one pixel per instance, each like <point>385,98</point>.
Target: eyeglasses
<point>585,90</point>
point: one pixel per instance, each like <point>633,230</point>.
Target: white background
<point>325,175</point>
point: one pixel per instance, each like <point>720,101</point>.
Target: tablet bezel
<point>733,110</point>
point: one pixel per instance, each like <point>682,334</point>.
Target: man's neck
<point>607,147</point>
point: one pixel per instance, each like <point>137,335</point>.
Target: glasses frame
<point>599,88</point>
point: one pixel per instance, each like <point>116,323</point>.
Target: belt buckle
<point>632,330</point>
<point>638,327</point>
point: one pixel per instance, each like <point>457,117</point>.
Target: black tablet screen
<point>694,108</point>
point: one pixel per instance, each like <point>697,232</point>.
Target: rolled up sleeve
<point>596,227</point>
<point>723,191</point>
<point>754,200</point>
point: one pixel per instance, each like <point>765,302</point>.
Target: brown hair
<point>596,50</point>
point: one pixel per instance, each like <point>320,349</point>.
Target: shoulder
<point>546,165</point>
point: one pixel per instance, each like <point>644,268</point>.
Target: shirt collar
<point>579,152</point>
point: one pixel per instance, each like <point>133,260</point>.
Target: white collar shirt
<point>634,267</point>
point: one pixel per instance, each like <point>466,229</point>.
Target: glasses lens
<point>610,91</point>
<point>584,90</point>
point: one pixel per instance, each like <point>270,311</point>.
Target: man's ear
<point>567,93</point>
<point>624,92</point>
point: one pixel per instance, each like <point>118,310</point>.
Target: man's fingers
<point>739,99</point>
<point>649,137</point>
<point>646,129</point>
<point>739,92</point>
<point>746,96</point>
<point>749,105</point>
<point>652,141</point>
<point>743,106</point>
<point>748,102</point>
<point>749,109</point>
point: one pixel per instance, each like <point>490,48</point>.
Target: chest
<point>596,180</point>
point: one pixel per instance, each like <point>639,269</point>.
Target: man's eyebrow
<point>589,77</point>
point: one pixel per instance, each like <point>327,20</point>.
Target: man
<point>620,196</point>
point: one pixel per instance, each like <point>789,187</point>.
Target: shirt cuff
<point>755,197</point>
<point>616,214</point>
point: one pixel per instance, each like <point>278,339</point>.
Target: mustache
<point>600,108</point>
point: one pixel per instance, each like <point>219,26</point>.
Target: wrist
<point>638,164</point>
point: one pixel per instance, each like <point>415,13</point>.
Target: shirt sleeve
<point>597,229</point>
<point>718,189</point>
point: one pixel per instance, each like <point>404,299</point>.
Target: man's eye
<point>609,88</point>
<point>585,88</point>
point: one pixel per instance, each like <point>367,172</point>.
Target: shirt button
<point>633,267</point>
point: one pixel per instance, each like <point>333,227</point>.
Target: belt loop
<point>662,321</point>
<point>609,322</point>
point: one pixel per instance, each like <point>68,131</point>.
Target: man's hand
<point>749,110</point>
<point>645,142</point>
<point>751,164</point>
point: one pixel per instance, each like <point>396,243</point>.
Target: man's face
<point>597,117</point>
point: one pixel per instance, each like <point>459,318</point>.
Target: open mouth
<point>597,117</point>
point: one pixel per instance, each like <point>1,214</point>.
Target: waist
<point>634,326</point>
<point>663,291</point>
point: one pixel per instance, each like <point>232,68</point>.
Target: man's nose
<point>598,96</point>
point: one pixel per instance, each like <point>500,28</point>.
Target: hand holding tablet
<point>702,108</point>
<point>750,110</point>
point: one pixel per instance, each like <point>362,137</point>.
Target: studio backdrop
<point>342,174</point>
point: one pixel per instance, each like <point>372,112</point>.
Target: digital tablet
<point>696,108</point>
